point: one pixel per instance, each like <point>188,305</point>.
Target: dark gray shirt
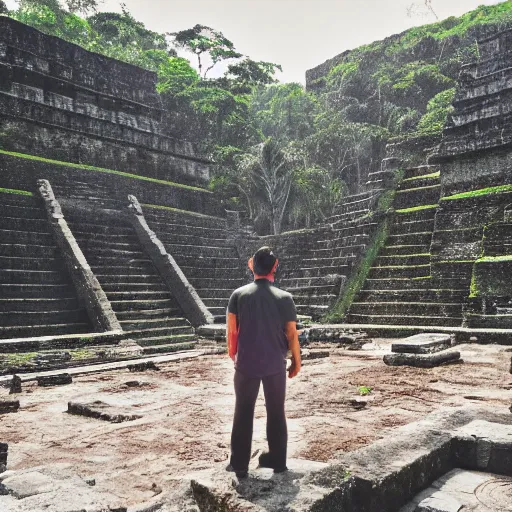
<point>262,311</point>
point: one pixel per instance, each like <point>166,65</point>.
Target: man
<point>261,328</point>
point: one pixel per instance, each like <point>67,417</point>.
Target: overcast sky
<point>298,34</point>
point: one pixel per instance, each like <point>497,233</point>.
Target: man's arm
<point>292,336</point>
<point>232,334</point>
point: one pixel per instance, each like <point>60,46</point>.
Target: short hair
<point>263,261</point>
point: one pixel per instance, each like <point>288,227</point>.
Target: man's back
<point>262,311</point>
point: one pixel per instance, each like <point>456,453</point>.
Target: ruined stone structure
<point>74,265</point>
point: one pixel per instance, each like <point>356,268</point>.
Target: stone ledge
<point>102,411</point>
<point>423,360</point>
<point>423,344</point>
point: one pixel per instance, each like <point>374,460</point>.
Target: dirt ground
<point>187,410</point>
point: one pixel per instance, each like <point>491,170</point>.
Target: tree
<point>201,40</point>
<point>271,169</point>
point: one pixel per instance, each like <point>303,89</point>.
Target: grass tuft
<point>480,192</point>
<point>15,191</point>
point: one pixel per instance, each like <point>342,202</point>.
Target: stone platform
<point>423,351</point>
<point>465,490</point>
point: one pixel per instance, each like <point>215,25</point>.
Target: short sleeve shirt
<point>262,311</point>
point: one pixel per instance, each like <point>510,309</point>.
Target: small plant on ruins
<point>364,390</point>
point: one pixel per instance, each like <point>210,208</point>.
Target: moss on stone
<point>480,192</point>
<point>101,169</point>
<point>417,208</point>
<point>425,177</point>
<point>356,282</point>
<point>177,210</point>
<point>81,353</point>
<point>15,191</point>
<point>20,359</point>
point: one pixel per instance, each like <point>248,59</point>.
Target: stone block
<point>425,343</point>
<point>102,411</point>
<point>8,406</point>
<point>60,379</point>
<point>423,360</point>
<point>15,386</point>
<point>4,448</point>
<point>142,367</point>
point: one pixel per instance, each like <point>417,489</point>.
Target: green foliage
<point>15,191</point>
<point>480,192</point>
<point>364,390</point>
<point>438,110</point>
<point>358,278</point>
<point>201,40</point>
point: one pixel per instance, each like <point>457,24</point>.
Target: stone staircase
<point>145,308</point>
<point>399,289</point>
<point>200,246</point>
<point>37,297</point>
<point>316,263</point>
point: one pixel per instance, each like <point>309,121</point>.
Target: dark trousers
<point>246,391</point>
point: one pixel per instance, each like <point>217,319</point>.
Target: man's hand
<point>294,368</point>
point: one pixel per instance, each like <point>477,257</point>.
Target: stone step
<point>404,320</point>
<point>31,331</point>
<point>27,263</point>
<point>162,228</point>
<point>412,227</point>
<point>385,295</point>
<point>414,197</point>
<point>174,347</point>
<point>410,239</point>
<point>490,321</point>
<point>150,313</point>
<point>405,271</point>
<point>419,182</point>
<point>20,200</point>
<point>39,225</point>
<point>402,259</point>
<point>102,238</point>
<point>306,282</point>
<point>445,237</point>
<point>223,293</point>
<point>138,295</point>
<point>426,213</point>
<point>134,287</point>
<point>197,261</point>
<point>310,290</point>
<point>338,261</point>
<point>177,237</point>
<point>151,323</point>
<point>320,300</point>
<point>132,269</point>
<point>350,215</point>
<point>431,309</point>
<point>199,250</point>
<point>99,244</point>
<point>357,203</point>
<point>141,305</point>
<point>31,277</point>
<point>317,272</point>
<point>313,310</point>
<point>398,284</point>
<point>183,218</point>
<point>12,236</point>
<point>33,250</point>
<point>87,228</point>
<point>421,170</point>
<point>19,291</point>
<point>458,270</point>
<point>137,279</point>
<point>342,231</point>
<point>215,301</point>
<point>39,304</point>
<point>410,249</point>
<point>218,311</point>
<point>343,251</point>
<point>159,332</point>
<point>118,260</point>
<point>12,318</point>
<point>21,211</point>
<point>360,239</point>
<point>230,283</point>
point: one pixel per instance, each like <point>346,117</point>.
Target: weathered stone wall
<point>60,101</point>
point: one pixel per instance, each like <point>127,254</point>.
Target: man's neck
<point>268,277</point>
